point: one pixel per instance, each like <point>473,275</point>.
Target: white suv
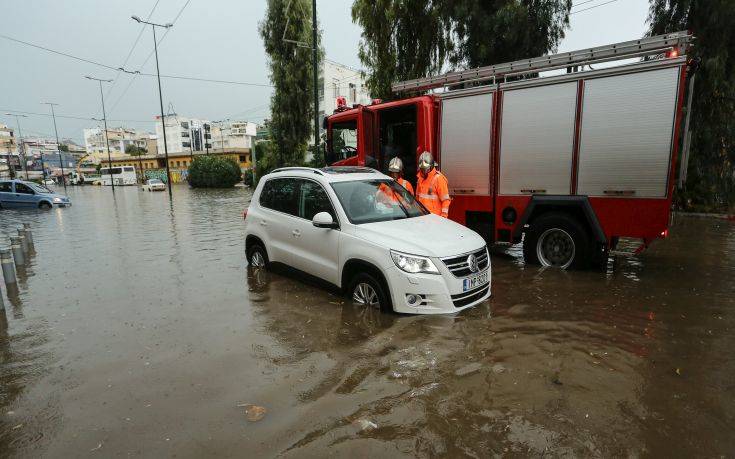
<point>359,230</point>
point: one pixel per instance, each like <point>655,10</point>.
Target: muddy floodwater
<point>138,330</point>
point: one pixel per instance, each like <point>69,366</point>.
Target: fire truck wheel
<point>557,240</point>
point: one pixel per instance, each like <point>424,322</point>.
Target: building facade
<point>183,134</point>
<point>337,80</point>
<point>234,134</point>
<point>7,140</point>
<point>120,139</point>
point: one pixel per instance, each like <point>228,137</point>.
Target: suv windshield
<point>368,201</point>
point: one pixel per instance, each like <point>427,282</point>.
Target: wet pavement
<point>138,330</point>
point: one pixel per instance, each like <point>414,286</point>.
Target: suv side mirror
<point>324,220</point>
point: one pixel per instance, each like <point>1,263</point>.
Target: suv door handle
<point>296,233</point>
<point>263,223</point>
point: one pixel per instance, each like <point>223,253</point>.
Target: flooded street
<point>139,330</point>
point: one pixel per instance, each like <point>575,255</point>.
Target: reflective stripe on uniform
<point>433,197</point>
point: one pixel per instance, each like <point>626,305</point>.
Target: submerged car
<point>154,185</point>
<point>22,194</point>
<point>362,232</point>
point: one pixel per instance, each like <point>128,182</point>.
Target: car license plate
<point>475,281</point>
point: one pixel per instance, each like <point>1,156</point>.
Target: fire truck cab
<point>566,163</point>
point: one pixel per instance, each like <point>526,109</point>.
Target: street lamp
<point>58,146</point>
<point>21,148</point>
<point>160,95</point>
<point>104,119</point>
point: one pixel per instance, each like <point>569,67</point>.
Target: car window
<point>23,188</point>
<point>281,194</point>
<point>5,187</point>
<point>313,199</point>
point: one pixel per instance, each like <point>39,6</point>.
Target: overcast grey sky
<point>213,39</point>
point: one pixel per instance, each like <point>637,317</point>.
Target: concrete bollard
<point>6,261</point>
<point>24,242</point>
<point>29,234</point>
<point>17,249</point>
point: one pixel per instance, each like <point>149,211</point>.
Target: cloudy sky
<point>213,39</point>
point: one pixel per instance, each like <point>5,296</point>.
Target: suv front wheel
<point>257,256</point>
<point>366,291</point>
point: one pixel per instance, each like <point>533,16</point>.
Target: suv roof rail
<point>297,168</point>
<point>349,170</point>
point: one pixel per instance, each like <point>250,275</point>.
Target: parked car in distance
<point>22,194</point>
<point>154,185</point>
<point>48,182</point>
<point>360,231</point>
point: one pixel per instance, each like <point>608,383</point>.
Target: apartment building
<point>120,139</point>
<point>184,134</point>
<point>233,134</point>
<point>337,80</point>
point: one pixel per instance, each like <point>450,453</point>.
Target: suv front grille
<point>463,299</point>
<point>458,264</point>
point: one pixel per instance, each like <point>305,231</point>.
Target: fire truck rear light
<point>673,53</point>
<point>665,233</point>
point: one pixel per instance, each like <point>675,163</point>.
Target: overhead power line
<point>100,64</point>
<point>593,7</point>
<point>130,53</point>
<point>74,117</point>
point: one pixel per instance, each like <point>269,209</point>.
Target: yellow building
<point>179,162</point>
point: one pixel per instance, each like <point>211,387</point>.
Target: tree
<point>64,147</point>
<point>134,150</point>
<point>401,39</point>
<point>489,32</point>
<point>711,173</point>
<point>286,33</point>
<point>406,39</point>
<point>213,172</point>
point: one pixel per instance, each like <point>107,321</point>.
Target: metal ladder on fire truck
<point>671,45</point>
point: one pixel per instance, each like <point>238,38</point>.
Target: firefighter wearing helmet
<point>395,170</point>
<point>432,188</point>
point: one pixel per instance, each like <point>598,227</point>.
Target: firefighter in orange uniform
<point>432,188</point>
<point>395,170</point>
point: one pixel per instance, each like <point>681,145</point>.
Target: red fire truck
<point>565,162</point>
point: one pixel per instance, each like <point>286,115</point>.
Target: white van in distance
<point>362,232</point>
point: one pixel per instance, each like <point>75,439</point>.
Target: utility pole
<point>21,147</point>
<point>315,54</point>
<point>160,95</point>
<point>104,120</point>
<point>58,145</point>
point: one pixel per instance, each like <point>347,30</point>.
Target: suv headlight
<point>413,263</point>
<point>57,199</point>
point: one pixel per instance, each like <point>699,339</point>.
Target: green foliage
<point>401,39</point>
<point>489,32</point>
<point>405,39</point>
<point>265,154</point>
<point>292,109</point>
<point>134,150</point>
<point>710,182</point>
<point>213,172</point>
<point>63,147</point>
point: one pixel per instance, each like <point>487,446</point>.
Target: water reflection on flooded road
<point>138,329</point>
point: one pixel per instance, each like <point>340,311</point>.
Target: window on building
<point>185,134</point>
<point>184,125</point>
<point>243,158</point>
<point>353,92</point>
<point>186,144</point>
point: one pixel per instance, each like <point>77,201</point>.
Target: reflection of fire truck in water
<point>568,163</point>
